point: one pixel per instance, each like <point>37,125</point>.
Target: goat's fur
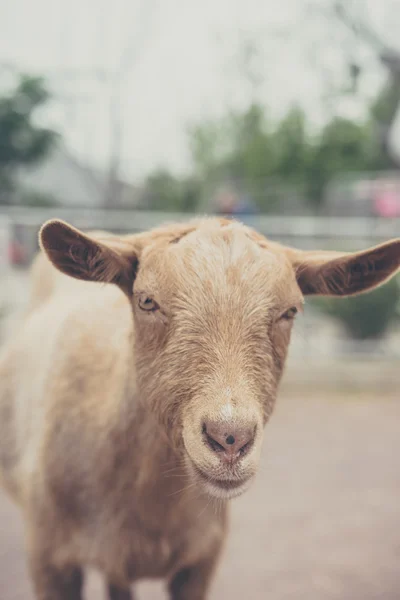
<point>102,401</point>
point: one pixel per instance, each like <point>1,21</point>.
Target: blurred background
<point>123,115</point>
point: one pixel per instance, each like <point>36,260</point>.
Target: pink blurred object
<point>387,202</point>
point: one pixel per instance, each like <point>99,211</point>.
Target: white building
<point>62,177</point>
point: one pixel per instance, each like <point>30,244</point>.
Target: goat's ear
<point>345,274</point>
<point>96,257</point>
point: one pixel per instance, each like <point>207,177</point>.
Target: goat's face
<point>213,314</point>
<point>213,306</point>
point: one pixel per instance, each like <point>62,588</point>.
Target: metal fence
<point>303,231</point>
<point>315,335</point>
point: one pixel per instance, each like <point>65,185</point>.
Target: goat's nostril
<point>213,444</point>
<point>244,449</point>
<point>231,445</point>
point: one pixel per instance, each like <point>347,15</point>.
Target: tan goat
<point>124,408</point>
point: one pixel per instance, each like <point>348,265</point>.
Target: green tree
<point>341,146</point>
<point>363,35</point>
<point>208,146</point>
<point>237,149</point>
<point>274,164</point>
<point>166,192</point>
<point>292,146</point>
<point>252,157</point>
<point>21,141</point>
<point>242,148</point>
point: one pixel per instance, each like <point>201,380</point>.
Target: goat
<point>126,410</point>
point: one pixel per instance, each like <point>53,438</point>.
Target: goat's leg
<point>192,583</point>
<point>117,593</point>
<point>50,583</point>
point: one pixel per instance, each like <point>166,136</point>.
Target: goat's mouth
<point>222,488</point>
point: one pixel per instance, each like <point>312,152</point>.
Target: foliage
<point>366,316</point>
<point>21,141</point>
<point>38,199</point>
<point>235,148</point>
<point>270,163</point>
<point>341,147</point>
<point>167,192</point>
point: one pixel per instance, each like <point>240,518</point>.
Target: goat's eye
<point>146,303</point>
<point>289,314</point>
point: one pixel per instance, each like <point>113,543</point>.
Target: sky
<point>180,65</point>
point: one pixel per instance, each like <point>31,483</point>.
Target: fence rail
<point>316,227</point>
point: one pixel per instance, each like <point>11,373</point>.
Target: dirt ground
<point>322,521</point>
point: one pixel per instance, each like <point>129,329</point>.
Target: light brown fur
<point>102,401</point>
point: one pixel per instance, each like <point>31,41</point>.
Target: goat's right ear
<point>108,260</point>
<point>327,273</point>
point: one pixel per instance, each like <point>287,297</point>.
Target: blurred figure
<point>245,207</point>
<point>226,202</point>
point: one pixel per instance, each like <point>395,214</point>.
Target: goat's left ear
<point>345,274</point>
<point>97,257</point>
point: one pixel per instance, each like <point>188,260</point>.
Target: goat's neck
<point>152,473</point>
<point>147,450</point>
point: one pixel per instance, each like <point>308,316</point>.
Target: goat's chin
<point>235,489</point>
<point>223,489</point>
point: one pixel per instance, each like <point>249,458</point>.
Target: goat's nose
<point>231,441</point>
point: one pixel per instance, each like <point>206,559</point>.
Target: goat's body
<point>126,408</point>
<point>81,453</point>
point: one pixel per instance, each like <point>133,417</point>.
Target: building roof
<point>72,183</point>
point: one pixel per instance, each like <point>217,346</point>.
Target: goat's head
<point>213,306</point>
